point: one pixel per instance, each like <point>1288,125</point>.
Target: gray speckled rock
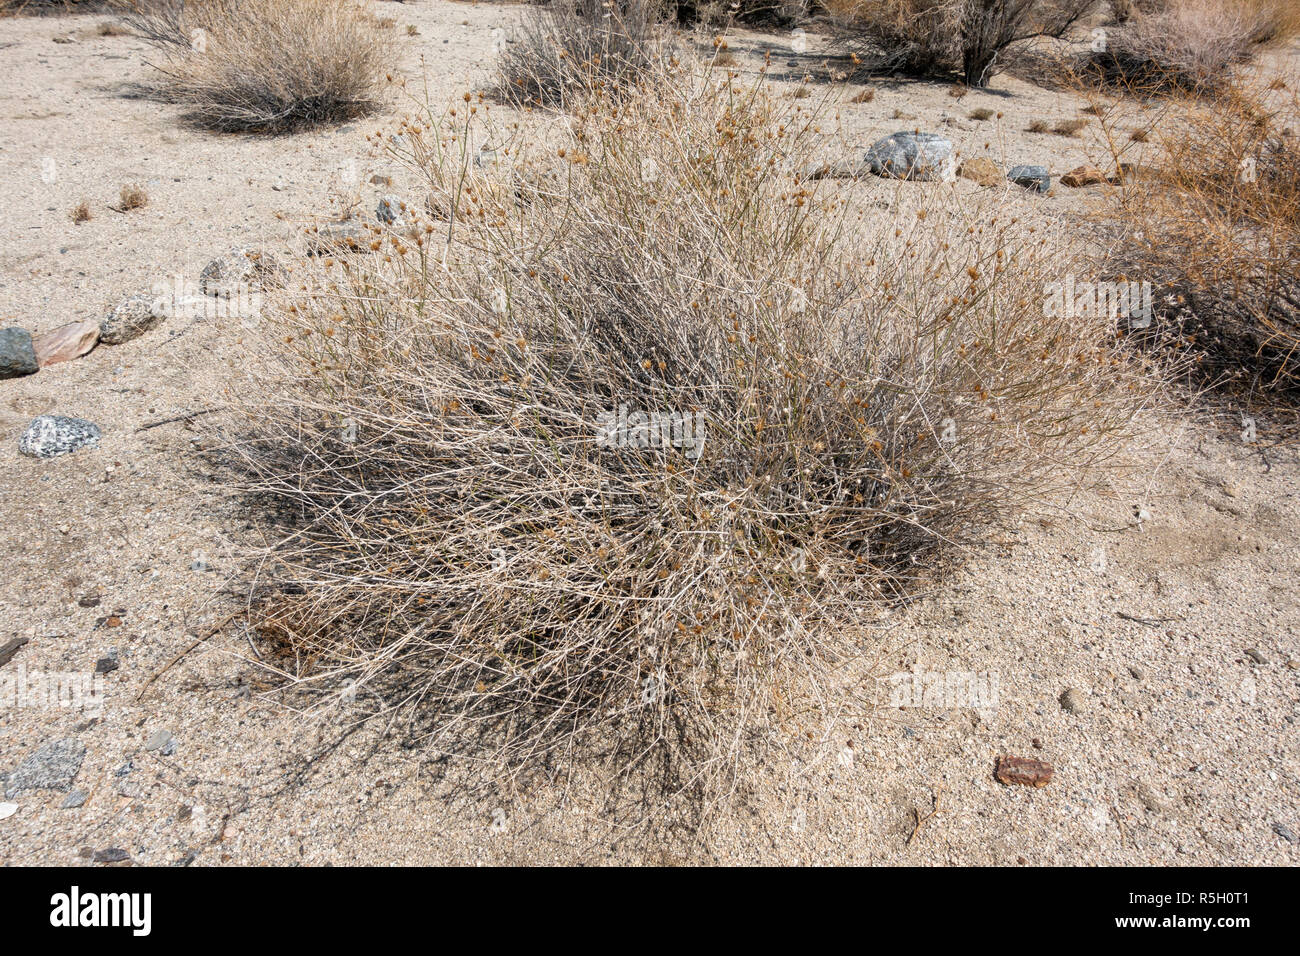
<point>1031,177</point>
<point>52,767</point>
<point>389,211</point>
<point>926,157</point>
<point>17,357</point>
<point>131,318</point>
<point>240,271</point>
<point>50,436</point>
<point>76,798</point>
<point>337,238</point>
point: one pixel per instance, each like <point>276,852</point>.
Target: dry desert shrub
<point>572,47</point>
<point>611,443</point>
<point>1189,46</point>
<point>941,36</point>
<point>132,196</point>
<point>1214,223</point>
<point>265,65</point>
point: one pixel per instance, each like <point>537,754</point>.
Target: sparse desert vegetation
<point>578,432</point>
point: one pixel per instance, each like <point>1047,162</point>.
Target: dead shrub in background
<point>454,535</point>
<point>1190,46</point>
<point>940,36</point>
<point>1214,224</point>
<point>265,65</point>
<point>573,47</point>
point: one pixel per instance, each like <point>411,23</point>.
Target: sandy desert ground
<point>1179,639</point>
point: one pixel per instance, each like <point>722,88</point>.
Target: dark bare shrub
<point>940,36</point>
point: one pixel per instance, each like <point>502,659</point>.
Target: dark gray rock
<point>1285,832</point>
<point>51,767</point>
<point>50,436</point>
<point>389,211</point>
<point>926,157</point>
<point>75,799</point>
<point>113,854</point>
<point>131,318</point>
<point>17,356</point>
<point>1033,178</point>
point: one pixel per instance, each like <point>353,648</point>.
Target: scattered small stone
<point>981,170</point>
<point>1024,771</point>
<point>17,356</point>
<point>51,767</point>
<point>1151,800</point>
<point>10,648</point>
<point>50,436</point>
<point>106,665</point>
<point>113,854</point>
<point>924,157</point>
<point>1138,673</point>
<point>65,343</point>
<point>75,799</point>
<point>131,318</point>
<point>1285,832</point>
<point>1256,656</point>
<point>161,741</point>
<point>1035,178</point>
<point>1038,744</point>
<point>89,600</point>
<point>1083,176</point>
<point>1072,701</point>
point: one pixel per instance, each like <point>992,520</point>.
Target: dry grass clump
<point>573,47</point>
<point>132,196</point>
<point>81,212</point>
<point>266,65</point>
<point>1070,127</point>
<point>1215,224</point>
<point>1189,46</point>
<point>455,536</point>
<point>927,37</point>
<point>982,114</point>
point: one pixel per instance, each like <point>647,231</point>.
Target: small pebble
<point>1072,702</point>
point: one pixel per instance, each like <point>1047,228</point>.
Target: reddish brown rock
<point>64,343</point>
<point>1083,176</point>
<point>1022,770</point>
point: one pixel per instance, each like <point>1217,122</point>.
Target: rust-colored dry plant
<point>609,444</point>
